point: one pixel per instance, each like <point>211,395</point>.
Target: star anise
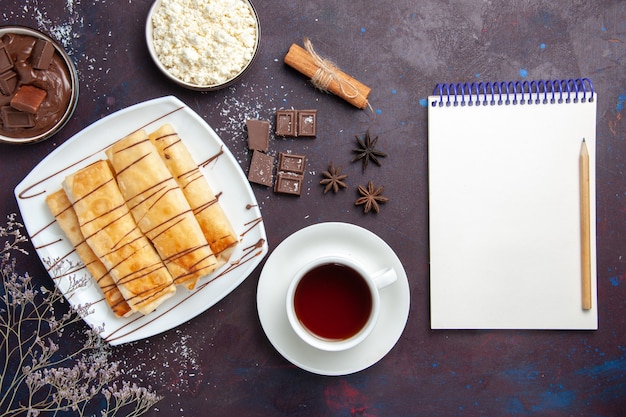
<point>333,179</point>
<point>371,197</point>
<point>367,150</point>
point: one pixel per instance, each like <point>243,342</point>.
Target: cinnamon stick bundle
<point>326,76</point>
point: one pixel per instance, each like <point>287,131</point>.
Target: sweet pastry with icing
<point>160,208</point>
<point>113,235</point>
<point>205,204</point>
<point>61,208</point>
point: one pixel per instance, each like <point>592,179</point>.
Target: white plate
<point>336,239</point>
<point>223,173</point>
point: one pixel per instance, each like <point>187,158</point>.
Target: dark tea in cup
<point>333,301</point>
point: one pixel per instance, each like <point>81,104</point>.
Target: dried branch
<point>36,377</point>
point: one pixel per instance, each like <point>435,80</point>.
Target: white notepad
<point>505,211</point>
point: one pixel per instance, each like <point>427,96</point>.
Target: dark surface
<point>221,363</point>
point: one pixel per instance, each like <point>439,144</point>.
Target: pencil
<point>585,227</point>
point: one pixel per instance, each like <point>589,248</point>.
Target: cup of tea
<point>333,302</point>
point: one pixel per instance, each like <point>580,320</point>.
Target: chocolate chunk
<point>5,100</point>
<point>288,183</point>
<point>28,98</point>
<point>258,134</point>
<point>20,46</point>
<point>307,123</point>
<point>42,54</point>
<point>12,118</point>
<point>296,123</point>
<point>286,122</point>
<point>261,169</point>
<point>291,163</point>
<point>6,63</point>
<point>8,82</point>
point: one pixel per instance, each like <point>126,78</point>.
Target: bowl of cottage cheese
<point>203,44</point>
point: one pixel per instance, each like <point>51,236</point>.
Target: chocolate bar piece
<point>296,123</point>
<point>28,98</point>
<point>258,134</point>
<point>12,118</point>
<point>6,63</point>
<point>8,82</point>
<point>288,183</point>
<point>42,54</point>
<point>286,122</point>
<point>307,123</point>
<point>291,162</point>
<point>261,168</point>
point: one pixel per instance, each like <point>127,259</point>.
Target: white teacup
<point>333,302</point>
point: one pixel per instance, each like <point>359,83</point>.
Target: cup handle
<point>385,277</point>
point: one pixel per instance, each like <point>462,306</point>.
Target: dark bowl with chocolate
<point>38,85</point>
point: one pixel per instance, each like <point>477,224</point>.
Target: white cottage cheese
<point>204,42</point>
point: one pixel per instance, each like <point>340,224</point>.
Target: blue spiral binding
<point>514,92</point>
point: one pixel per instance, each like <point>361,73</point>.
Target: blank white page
<point>504,198</point>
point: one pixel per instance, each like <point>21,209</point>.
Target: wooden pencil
<point>585,227</point>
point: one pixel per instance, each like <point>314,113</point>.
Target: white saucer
<point>337,239</point>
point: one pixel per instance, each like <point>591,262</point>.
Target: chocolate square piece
<point>288,183</point>
<point>286,122</point>
<point>42,54</point>
<point>28,98</point>
<point>6,63</point>
<point>307,123</point>
<point>8,82</point>
<point>12,118</point>
<point>261,169</point>
<point>258,134</point>
<point>291,163</point>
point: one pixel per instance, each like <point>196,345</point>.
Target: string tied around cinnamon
<point>328,72</point>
